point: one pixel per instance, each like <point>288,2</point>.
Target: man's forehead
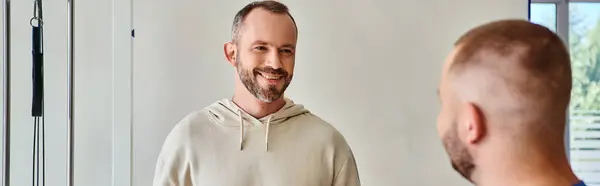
<point>261,17</point>
<point>263,25</point>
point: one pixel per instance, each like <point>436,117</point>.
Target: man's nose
<point>274,60</point>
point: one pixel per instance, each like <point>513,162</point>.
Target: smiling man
<point>259,137</point>
<point>505,90</point>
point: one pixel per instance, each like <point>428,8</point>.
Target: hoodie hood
<point>227,113</point>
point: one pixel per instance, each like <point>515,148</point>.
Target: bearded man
<point>258,137</point>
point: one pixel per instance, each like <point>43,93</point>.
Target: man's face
<point>266,54</point>
<point>448,126</point>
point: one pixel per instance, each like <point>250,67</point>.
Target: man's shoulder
<point>190,124</point>
<point>197,117</point>
<point>315,121</point>
<point>317,126</point>
<point>324,134</point>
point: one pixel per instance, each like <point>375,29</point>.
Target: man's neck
<point>255,107</point>
<point>525,167</point>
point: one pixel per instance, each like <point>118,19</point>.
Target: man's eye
<point>260,48</point>
<point>286,51</point>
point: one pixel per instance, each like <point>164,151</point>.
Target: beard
<point>250,81</point>
<point>461,159</point>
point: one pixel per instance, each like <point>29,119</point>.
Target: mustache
<point>270,70</point>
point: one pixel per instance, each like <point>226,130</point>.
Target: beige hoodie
<point>222,145</point>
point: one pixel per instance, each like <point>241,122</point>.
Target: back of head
<point>505,90</point>
<point>518,73</point>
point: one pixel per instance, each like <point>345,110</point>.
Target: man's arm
<point>172,167</point>
<point>348,173</point>
<point>162,175</point>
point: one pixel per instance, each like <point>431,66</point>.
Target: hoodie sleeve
<point>348,173</point>
<point>172,166</point>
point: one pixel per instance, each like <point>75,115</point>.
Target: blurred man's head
<point>506,85</point>
<point>263,47</point>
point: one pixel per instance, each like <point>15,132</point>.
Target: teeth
<point>271,77</point>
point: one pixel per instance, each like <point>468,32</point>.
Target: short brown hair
<point>269,5</point>
<point>532,62</point>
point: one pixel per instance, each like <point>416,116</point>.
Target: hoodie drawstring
<point>267,133</point>
<point>268,125</point>
<point>241,129</point>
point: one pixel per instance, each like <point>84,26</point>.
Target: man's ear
<point>473,123</point>
<point>230,52</point>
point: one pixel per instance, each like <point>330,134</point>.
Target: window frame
<point>562,29</point>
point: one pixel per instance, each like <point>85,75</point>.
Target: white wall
<point>384,57</point>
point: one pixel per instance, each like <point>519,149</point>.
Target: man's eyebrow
<point>259,42</point>
<point>289,46</point>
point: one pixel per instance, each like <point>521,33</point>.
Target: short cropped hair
<point>531,60</point>
<point>269,5</point>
